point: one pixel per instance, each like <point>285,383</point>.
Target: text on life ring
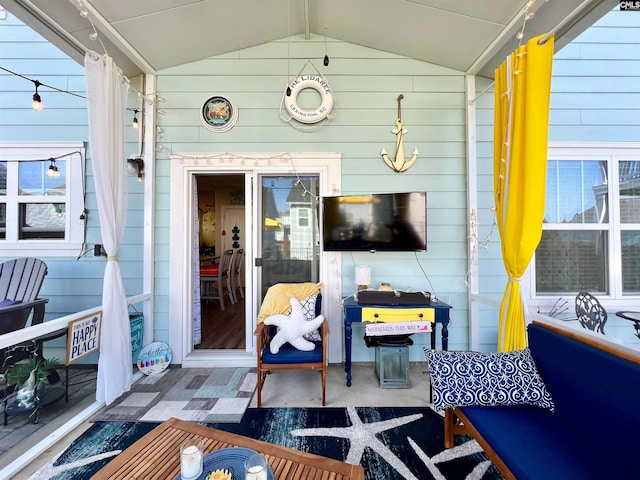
<point>321,86</point>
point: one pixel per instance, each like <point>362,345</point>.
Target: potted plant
<point>32,375</point>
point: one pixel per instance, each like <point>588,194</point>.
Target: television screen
<point>393,222</point>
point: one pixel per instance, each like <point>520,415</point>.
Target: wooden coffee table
<point>156,456</point>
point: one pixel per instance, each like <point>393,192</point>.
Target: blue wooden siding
<point>73,283</point>
<point>595,97</point>
<point>366,84</point>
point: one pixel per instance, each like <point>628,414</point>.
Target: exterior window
<point>303,217</point>
<point>591,230</point>
<point>41,199</point>
<point>629,201</point>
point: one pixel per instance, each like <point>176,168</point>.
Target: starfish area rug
<point>390,443</point>
<point>195,394</point>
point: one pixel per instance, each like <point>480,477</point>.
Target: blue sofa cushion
<point>461,378</point>
<point>595,392</point>
<point>289,354</point>
<point>536,444</point>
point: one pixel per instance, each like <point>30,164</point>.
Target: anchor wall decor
<point>399,164</point>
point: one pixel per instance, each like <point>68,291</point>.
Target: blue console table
<point>353,313</point>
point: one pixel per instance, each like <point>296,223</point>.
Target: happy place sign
<point>83,337</point>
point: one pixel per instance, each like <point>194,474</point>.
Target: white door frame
<point>183,166</point>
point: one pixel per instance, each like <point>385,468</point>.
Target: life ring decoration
<point>308,116</point>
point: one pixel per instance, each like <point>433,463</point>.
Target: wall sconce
<point>363,276</point>
<point>135,166</point>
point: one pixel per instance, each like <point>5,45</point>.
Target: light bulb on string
<point>37,101</point>
<point>93,36</point>
<point>53,169</point>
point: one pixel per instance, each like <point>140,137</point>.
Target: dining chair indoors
<point>590,312</point>
<point>220,275</point>
<point>236,274</point>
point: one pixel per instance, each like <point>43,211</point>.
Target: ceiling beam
<point>307,21</point>
<point>505,35</point>
<point>118,40</point>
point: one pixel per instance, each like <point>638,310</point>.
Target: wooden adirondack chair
<point>20,282</point>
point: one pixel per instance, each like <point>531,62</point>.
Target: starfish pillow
<point>292,328</point>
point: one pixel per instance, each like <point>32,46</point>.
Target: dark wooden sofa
<point>595,385</point>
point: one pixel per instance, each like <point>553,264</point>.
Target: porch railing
<point>36,331</point>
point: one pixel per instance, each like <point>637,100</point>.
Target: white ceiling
<point>473,36</point>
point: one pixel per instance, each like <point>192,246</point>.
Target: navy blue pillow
<point>461,378</point>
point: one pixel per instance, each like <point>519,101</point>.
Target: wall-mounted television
<point>392,222</point>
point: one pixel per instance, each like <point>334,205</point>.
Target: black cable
<point>40,84</point>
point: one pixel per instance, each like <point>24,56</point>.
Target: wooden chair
<point>20,283</point>
<point>289,358</point>
<point>590,312</point>
<point>218,273</point>
<point>236,274</point>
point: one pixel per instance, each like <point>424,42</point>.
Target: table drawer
<point>381,314</point>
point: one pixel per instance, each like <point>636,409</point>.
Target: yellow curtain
<point>521,118</point>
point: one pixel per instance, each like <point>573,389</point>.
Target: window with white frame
<point>591,230</point>
<point>42,210</point>
<point>303,217</point>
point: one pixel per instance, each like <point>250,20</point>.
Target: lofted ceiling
<point>144,36</point>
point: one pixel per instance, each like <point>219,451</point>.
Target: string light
<point>134,123</point>
<point>53,169</point>
<point>37,101</point>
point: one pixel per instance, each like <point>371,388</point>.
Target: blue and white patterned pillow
<point>461,378</point>
<point>309,309</point>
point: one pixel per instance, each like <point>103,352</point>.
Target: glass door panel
<point>290,239</point>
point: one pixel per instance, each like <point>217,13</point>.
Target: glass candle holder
<point>255,467</point>
<point>191,456</point>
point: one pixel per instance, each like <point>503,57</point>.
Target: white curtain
<point>106,97</point>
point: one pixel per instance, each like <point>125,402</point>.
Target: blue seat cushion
<point>537,444</point>
<point>588,385</point>
<point>289,354</point>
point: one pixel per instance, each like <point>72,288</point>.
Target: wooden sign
<point>83,337</point>
<point>396,328</point>
<point>136,321</point>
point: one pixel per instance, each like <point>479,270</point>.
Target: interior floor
<point>223,329</point>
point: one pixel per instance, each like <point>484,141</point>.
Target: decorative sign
<point>219,114</point>
<point>396,328</point>
<point>83,337</point>
<point>154,358</point>
<point>136,321</point>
